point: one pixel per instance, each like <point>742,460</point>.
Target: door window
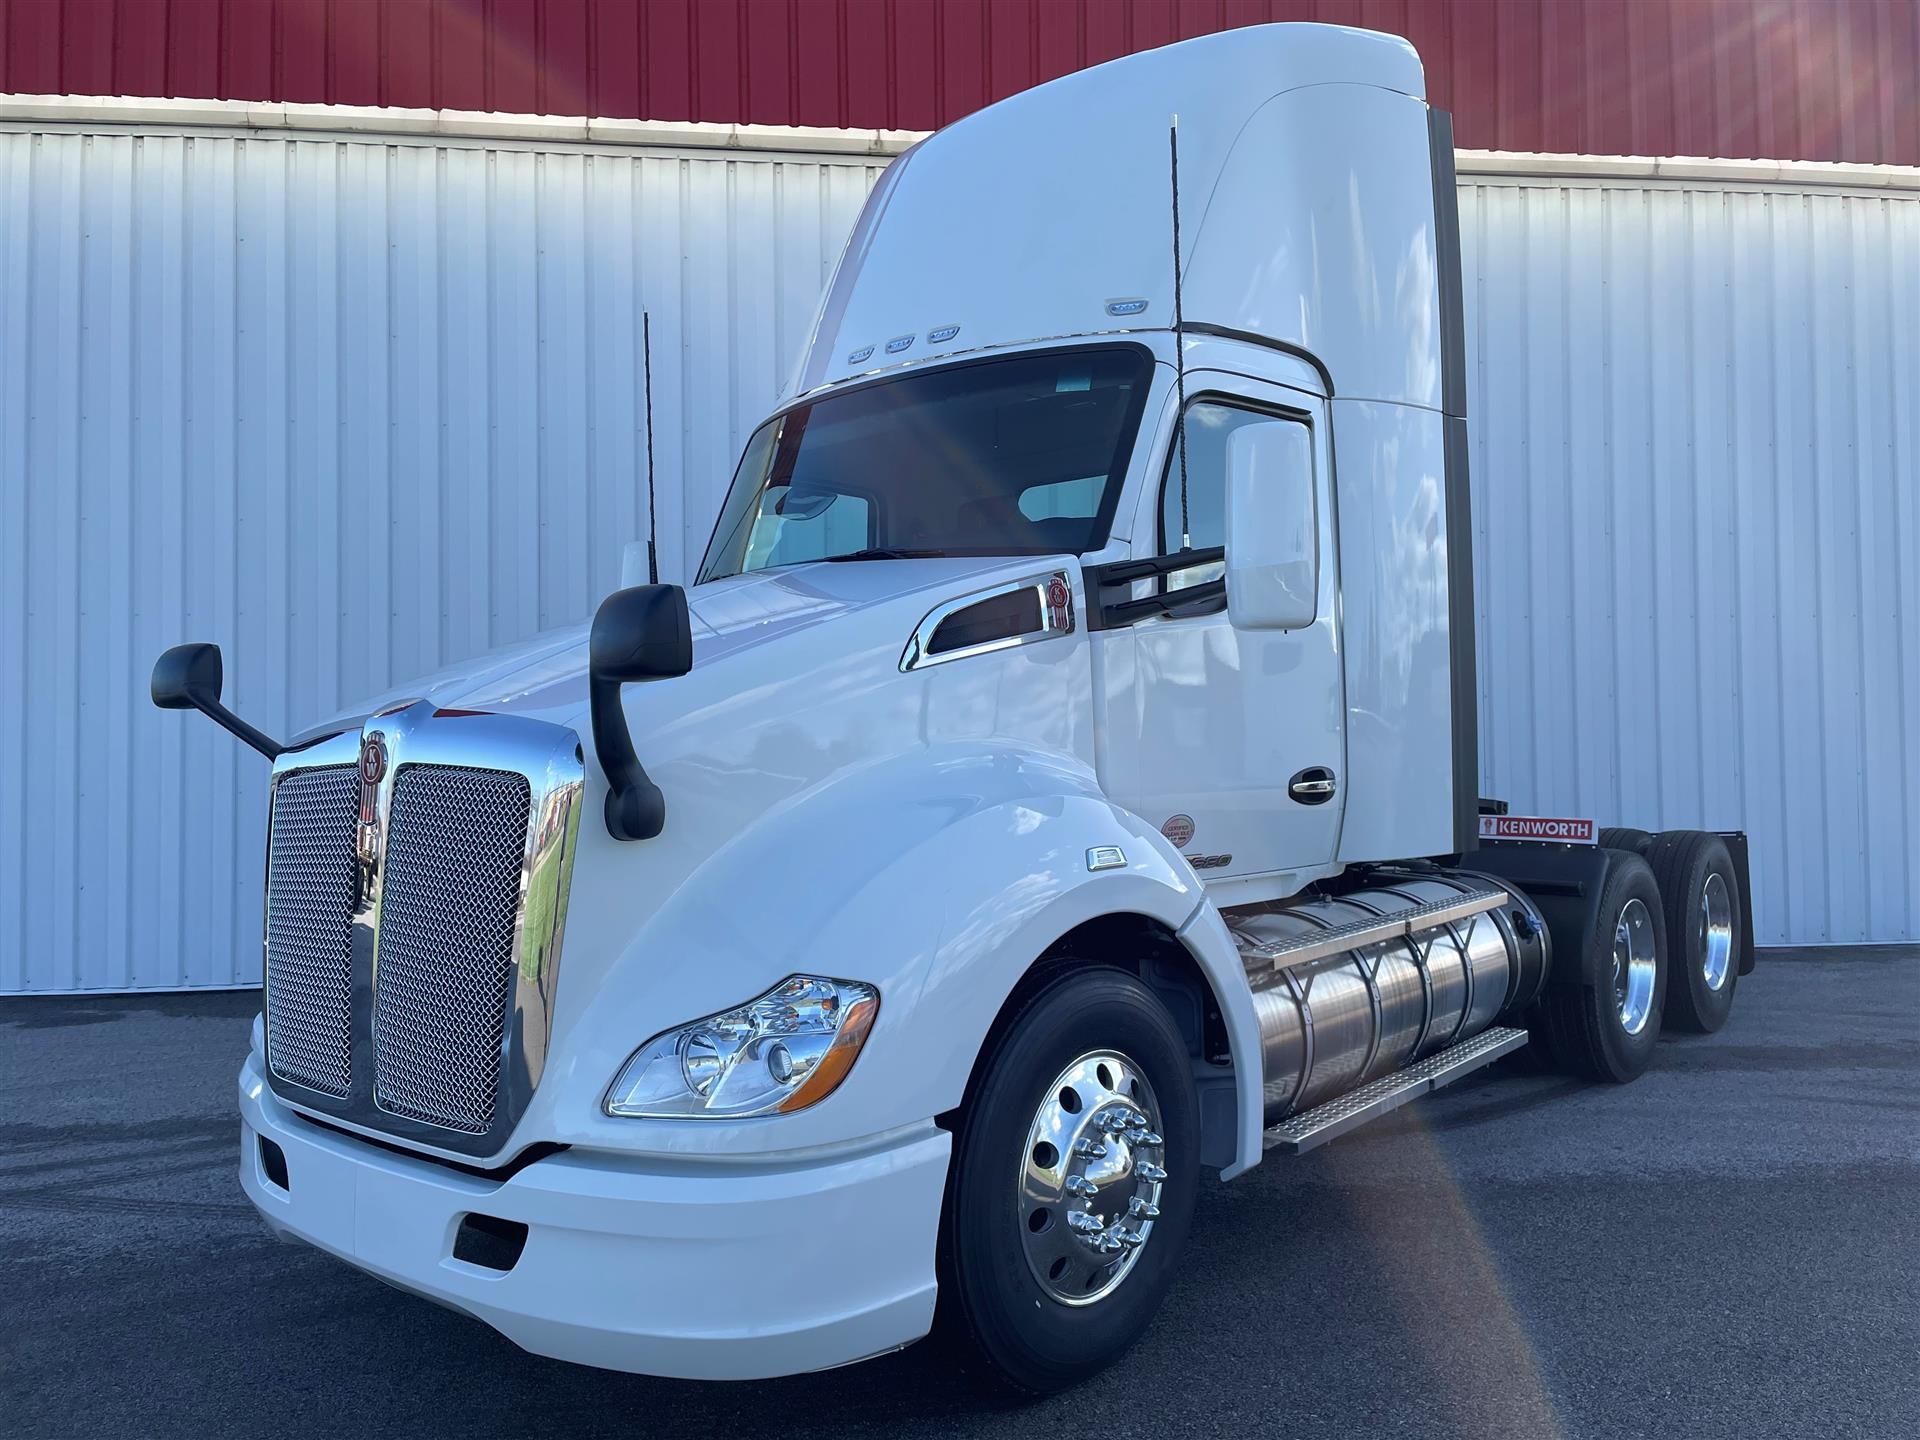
<point>1209,423</point>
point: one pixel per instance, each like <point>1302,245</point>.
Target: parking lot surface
<point>1729,1246</point>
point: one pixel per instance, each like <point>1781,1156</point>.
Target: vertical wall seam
<point>1813,471</point>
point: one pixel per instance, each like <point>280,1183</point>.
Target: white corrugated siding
<point>356,410</point>
<point>1696,452</point>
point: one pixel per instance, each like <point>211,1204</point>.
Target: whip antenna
<point>646,368</point>
<point>1179,342</point>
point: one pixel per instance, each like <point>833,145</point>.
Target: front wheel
<point>1075,1168</point>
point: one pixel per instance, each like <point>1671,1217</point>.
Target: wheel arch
<point>1167,963</point>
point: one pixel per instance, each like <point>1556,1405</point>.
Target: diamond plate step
<point>1255,954</point>
<point>1302,1132</point>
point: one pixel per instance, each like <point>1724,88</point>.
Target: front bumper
<point>701,1271</point>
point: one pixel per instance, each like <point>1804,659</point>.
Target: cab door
<point>1231,741</point>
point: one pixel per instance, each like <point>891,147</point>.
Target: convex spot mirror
<point>188,677</point>
<point>1273,553</point>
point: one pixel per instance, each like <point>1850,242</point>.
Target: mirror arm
<point>234,725</point>
<point>635,809</point>
<point>1108,614</point>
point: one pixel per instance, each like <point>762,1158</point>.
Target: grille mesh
<point>449,896</point>
<point>309,950</point>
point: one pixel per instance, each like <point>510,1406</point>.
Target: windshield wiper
<point>885,552</point>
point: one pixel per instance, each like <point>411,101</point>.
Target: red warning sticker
<point>1555,829</point>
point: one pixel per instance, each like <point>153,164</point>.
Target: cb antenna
<point>646,370</point>
<point>1179,341</point>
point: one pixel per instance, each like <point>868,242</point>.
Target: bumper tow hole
<point>489,1242</point>
<point>273,1163</point>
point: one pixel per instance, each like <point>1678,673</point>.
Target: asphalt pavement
<point>1729,1246</point>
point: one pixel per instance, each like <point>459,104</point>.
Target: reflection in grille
<point>309,951</point>
<point>449,896</point>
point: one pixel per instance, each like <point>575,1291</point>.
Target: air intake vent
<point>309,951</point>
<point>999,617</point>
<point>450,896</point>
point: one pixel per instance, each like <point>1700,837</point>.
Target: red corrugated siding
<point>1772,79</point>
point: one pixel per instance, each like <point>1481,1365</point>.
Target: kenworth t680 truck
<point>1060,778</point>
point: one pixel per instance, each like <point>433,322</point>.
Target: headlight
<point>782,1052</point>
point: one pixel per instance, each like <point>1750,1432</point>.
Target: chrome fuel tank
<point>1330,1022</point>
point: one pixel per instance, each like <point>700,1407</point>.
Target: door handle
<point>1313,786</point>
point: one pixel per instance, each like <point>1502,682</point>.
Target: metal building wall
<point>358,409</point>
<point>1775,79</point>
<point>1696,452</point>
<point>354,411</point>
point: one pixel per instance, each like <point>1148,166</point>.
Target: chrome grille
<point>309,948</point>
<point>449,900</point>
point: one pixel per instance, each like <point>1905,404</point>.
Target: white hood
<point>546,677</point>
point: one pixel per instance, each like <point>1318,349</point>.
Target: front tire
<point>1075,1168</point>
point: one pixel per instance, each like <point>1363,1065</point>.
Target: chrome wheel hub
<point>1090,1178</point>
<point>1716,932</point>
<point>1633,966</point>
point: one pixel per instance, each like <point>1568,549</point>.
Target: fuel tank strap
<point>1261,955</point>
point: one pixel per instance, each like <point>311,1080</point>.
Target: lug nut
<point>1139,1209</point>
<point>1080,1185</point>
<point>1148,1171</point>
<point>1090,1149</point>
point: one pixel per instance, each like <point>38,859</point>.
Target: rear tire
<point>1700,893</point>
<point>1622,837</point>
<point>1026,1292</point>
<point>1601,1019</point>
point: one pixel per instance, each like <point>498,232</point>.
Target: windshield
<point>1001,457</point>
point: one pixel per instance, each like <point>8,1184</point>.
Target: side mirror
<point>189,677</point>
<point>641,633</point>
<point>1273,551</point>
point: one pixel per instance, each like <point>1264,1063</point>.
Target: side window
<point>1209,423</point>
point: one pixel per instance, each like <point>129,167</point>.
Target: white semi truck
<point>1060,779</point>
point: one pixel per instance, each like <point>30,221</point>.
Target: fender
<point>939,875</point>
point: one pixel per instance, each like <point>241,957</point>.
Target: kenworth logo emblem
<point>373,759</point>
<point>373,769</point>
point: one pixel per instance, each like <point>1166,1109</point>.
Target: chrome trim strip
<point>1054,592</point>
<point>550,759</point>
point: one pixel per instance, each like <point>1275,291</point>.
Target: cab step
<point>1300,1133</point>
